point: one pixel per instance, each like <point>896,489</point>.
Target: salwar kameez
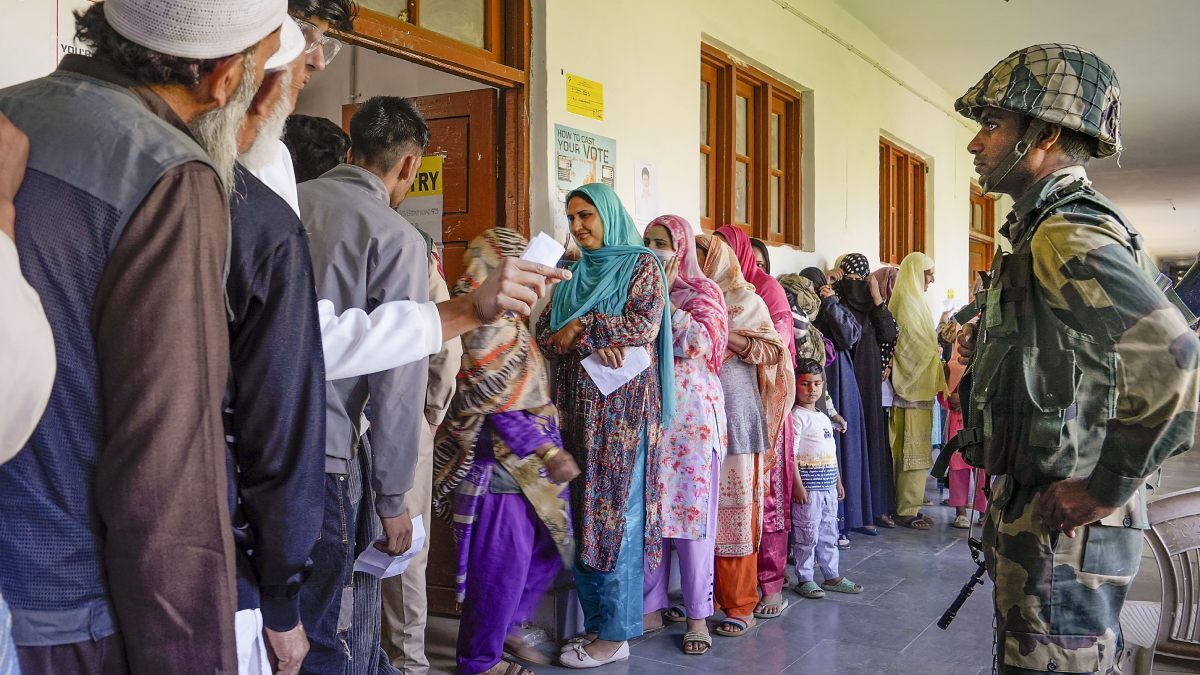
<point>696,566</point>
<point>777,515</point>
<point>911,432</point>
<point>507,555</point>
<point>612,601</point>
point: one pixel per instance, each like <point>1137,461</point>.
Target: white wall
<point>647,55</point>
<point>357,74</point>
<point>33,35</point>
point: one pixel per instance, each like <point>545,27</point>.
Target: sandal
<point>676,614</point>
<point>740,626</point>
<point>515,668</point>
<point>579,659</point>
<point>844,586</point>
<point>696,638</point>
<point>520,650</point>
<point>810,590</point>
<point>843,542</point>
<point>886,521</point>
<point>913,522</point>
<point>761,612</point>
<point>869,530</point>
<point>961,522</point>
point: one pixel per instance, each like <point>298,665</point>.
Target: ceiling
<point>1153,47</point>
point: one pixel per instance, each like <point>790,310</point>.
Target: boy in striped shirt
<point>818,489</point>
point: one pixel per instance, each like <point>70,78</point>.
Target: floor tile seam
<point>806,653</point>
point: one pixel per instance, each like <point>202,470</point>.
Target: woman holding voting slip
<point>612,310</point>
<point>693,445</point>
<point>500,476</point>
<point>756,361</point>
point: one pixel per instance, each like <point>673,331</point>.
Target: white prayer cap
<point>195,29</point>
<point>291,45</point>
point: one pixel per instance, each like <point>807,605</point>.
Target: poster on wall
<point>65,31</point>
<point>580,157</point>
<point>423,205</point>
<point>645,200</point>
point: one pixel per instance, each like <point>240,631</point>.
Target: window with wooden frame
<point>750,150</point>
<point>476,23</point>
<point>901,202</point>
<point>982,236</point>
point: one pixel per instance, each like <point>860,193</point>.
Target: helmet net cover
<point>1060,84</point>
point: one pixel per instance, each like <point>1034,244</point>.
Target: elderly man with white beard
<point>115,548</point>
<point>274,408</point>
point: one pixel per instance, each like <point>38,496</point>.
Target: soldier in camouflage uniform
<point>1084,374</point>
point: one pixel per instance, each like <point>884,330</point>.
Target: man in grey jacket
<point>365,254</point>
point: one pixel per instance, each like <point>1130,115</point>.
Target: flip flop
<point>913,522</point>
<point>702,638</point>
<point>844,586</point>
<point>676,614</point>
<point>782,605</point>
<point>843,542</point>
<point>741,626</point>
<point>810,590</point>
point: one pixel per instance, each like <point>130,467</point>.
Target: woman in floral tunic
<point>694,445</point>
<point>615,302</point>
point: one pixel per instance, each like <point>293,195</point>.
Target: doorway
<point>982,244</point>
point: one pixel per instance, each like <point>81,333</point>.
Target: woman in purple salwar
<point>500,475</point>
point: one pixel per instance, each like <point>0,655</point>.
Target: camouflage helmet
<point>1060,84</point>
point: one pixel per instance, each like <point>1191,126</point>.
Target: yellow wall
<point>647,55</point>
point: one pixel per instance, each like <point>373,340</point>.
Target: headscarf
<point>855,293</point>
<point>856,263</point>
<point>693,292</point>
<point>816,276</point>
<point>886,278</point>
<point>767,287</point>
<point>917,373</point>
<point>808,302</point>
<point>748,316</point>
<point>600,281</point>
<point>502,372</point>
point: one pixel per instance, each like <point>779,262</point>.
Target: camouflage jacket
<point>1083,368</point>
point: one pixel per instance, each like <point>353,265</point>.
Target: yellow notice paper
<point>585,97</point>
<point>429,177</point>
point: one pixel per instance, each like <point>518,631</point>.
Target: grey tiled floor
<point>910,578</point>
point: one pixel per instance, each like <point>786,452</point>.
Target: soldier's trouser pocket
<point>1057,604</point>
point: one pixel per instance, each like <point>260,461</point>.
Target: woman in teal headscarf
<point>614,303</point>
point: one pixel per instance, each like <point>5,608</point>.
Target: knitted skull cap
<point>291,45</point>
<point>195,29</point>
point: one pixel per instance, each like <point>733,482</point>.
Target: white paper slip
<point>544,250</point>
<point>608,379</point>
<point>381,565</point>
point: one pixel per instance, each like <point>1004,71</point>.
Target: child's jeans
<point>815,530</point>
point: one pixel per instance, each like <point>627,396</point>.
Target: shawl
<point>748,316</point>
<point>600,281</point>
<point>693,292</point>
<point>917,372</point>
<point>502,371</point>
<point>807,302</point>
<point>886,276</point>
<point>767,287</point>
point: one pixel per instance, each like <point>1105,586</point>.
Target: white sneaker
<point>578,658</point>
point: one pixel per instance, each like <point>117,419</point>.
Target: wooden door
<point>462,127</point>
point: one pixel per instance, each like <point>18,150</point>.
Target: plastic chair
<point>1174,538</point>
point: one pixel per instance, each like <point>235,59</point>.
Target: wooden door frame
<point>510,75</point>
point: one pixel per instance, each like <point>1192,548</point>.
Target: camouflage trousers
<point>1057,599</point>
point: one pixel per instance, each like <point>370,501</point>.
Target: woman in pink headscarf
<point>772,553</point>
<point>694,444</point>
